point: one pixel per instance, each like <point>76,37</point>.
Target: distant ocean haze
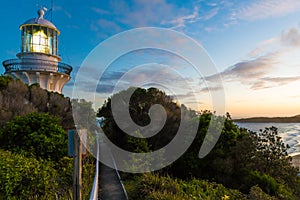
<point>289,132</point>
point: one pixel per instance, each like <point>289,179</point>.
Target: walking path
<point>110,185</point>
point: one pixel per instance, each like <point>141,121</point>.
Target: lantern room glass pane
<point>39,39</point>
<point>26,38</point>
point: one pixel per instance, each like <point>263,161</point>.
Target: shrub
<point>35,134</point>
<point>151,186</point>
<point>26,178</point>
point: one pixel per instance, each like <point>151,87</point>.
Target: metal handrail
<point>119,177</point>
<point>12,65</point>
<point>94,192</point>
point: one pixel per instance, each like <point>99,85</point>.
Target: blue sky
<point>255,44</point>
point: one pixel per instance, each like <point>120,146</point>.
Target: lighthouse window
<point>39,39</point>
<point>55,43</point>
<point>26,38</point>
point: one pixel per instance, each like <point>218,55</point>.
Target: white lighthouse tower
<point>38,61</point>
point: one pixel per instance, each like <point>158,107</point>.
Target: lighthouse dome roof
<point>39,20</point>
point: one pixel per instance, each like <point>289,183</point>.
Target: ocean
<point>289,132</point>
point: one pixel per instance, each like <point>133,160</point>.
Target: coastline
<point>293,119</point>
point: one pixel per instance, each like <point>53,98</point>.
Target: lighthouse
<point>38,60</point>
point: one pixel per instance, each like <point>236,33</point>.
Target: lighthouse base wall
<point>50,81</point>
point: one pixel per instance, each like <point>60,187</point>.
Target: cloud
<point>157,75</point>
<point>88,79</point>
<point>194,17</point>
<point>251,69</point>
<point>183,20</point>
<point>209,29</point>
<point>269,82</point>
<point>59,8</point>
<point>107,25</point>
<point>102,88</point>
<point>138,13</point>
<point>263,9</point>
<point>272,55</point>
<point>291,37</point>
<point>112,75</point>
<point>187,95</point>
<point>253,73</point>
<point>288,40</point>
<point>264,46</point>
<point>141,13</point>
<point>107,82</point>
<point>100,11</point>
<point>211,88</point>
<point>131,14</point>
<point>210,14</point>
<point>147,13</point>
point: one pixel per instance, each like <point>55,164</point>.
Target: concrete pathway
<point>110,185</point>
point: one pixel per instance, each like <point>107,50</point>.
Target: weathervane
<point>47,11</point>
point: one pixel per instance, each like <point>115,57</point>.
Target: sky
<point>254,45</point>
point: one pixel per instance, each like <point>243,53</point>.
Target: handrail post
<point>77,161</point>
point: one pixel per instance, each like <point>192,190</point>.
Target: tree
<point>261,159</point>
<point>18,99</point>
<point>83,113</point>
<point>14,100</point>
<point>240,159</point>
<point>140,103</point>
<point>35,134</point>
<point>27,178</point>
<point>272,158</point>
<point>33,143</point>
<point>4,80</point>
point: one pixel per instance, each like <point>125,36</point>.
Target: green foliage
<point>257,194</point>
<point>88,174</point>
<point>217,165</point>
<point>273,156</point>
<point>33,144</point>
<point>30,178</point>
<point>35,134</point>
<point>13,98</point>
<point>241,159</point>
<point>26,178</point>
<point>83,113</point>
<point>59,106</point>
<point>268,183</point>
<point>18,99</point>
<point>4,80</point>
<point>139,105</point>
<point>265,153</point>
<point>151,186</point>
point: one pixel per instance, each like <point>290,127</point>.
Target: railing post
<point>77,159</point>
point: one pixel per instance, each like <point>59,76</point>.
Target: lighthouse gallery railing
<point>36,65</point>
